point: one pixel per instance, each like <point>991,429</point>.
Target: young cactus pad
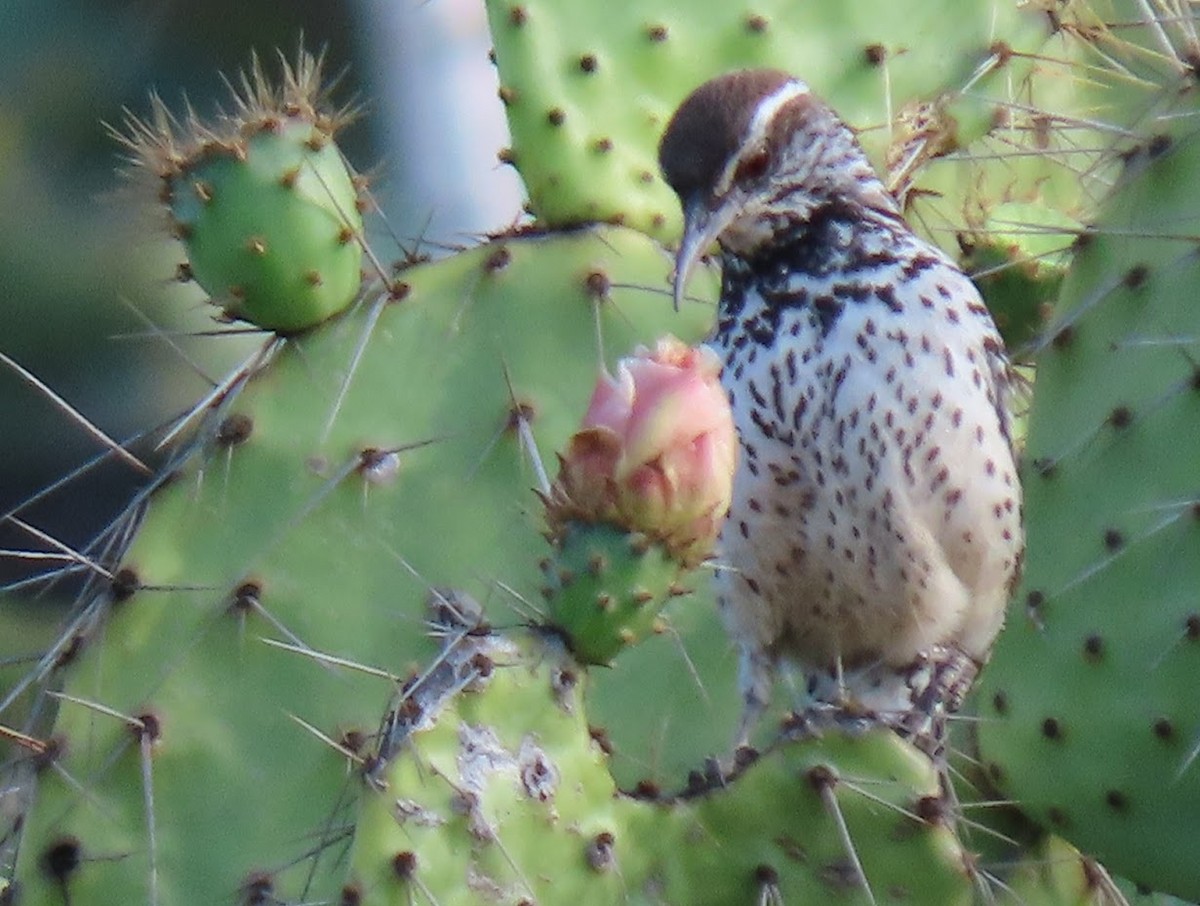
<point>262,201</point>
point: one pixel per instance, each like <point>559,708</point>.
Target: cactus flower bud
<point>655,454</point>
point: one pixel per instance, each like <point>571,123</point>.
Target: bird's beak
<point>701,227</point>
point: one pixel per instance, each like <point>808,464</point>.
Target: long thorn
<point>829,800</point>
<point>78,417</point>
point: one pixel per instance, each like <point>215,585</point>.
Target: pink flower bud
<point>656,451</point>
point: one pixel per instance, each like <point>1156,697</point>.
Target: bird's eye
<point>754,166</point>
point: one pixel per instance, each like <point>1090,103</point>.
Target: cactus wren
<point>875,530</point>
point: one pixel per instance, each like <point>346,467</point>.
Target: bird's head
<point>751,149</point>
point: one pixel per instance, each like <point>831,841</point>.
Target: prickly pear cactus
<point>271,693</point>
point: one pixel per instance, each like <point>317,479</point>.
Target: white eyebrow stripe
<point>757,131</point>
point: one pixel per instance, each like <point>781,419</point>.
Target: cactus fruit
<point>261,199</point>
<point>640,496</point>
<point>604,588</point>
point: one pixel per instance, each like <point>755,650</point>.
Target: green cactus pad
<point>326,499</point>
<point>589,93</point>
<point>1089,717</point>
<point>271,226</point>
<point>502,794</point>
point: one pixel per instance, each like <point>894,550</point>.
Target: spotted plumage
<point>875,530</point>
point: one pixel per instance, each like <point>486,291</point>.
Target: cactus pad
<point>1089,705</point>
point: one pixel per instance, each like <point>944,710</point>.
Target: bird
<point>875,530</point>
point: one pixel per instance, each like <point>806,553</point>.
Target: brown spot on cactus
<point>519,412</point>
<point>1113,539</point>
<point>556,116</point>
<point>1164,729</point>
<point>125,582</point>
<point>246,596</point>
<point>497,260</point>
<point>482,665</point>
<point>257,889</point>
<point>602,145</point>
<point>353,740</point>
<point>1116,800</point>
<point>1062,339</point>
<point>507,95</point>
<point>1052,729</point>
<point>1191,626</point>
<point>234,429</point>
<point>646,789</point>
<point>518,16</point>
<point>404,864</point>
<point>597,284</point>
<point>378,466</point>
<point>600,737</point>
<point>932,810</point>
<point>599,853</point>
<point>61,859</point>
<point>874,54</point>
<point>146,725</point>
<point>657,33</point>
<point>765,875</point>
<point>588,62</point>
<point>1057,817</point>
<point>756,24</point>
<point>1000,703</point>
<point>1136,276</point>
<point>1045,466</point>
<point>821,777</point>
<point>70,651</point>
<point>1093,647</point>
<point>1120,417</point>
